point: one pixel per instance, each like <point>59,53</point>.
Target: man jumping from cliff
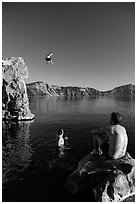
<point>111,141</point>
<point>48,58</point>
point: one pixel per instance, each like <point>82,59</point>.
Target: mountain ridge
<point>40,88</point>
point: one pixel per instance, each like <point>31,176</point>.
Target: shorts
<point>105,149</point>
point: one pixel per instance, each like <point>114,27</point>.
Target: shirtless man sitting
<point>112,140</point>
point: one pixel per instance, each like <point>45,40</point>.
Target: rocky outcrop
<point>41,89</point>
<point>44,89</point>
<point>105,180</point>
<point>15,103</point>
<point>126,90</point>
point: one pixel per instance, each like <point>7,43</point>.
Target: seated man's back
<point>117,141</point>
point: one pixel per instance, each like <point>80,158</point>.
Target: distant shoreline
<point>32,83</point>
<point>43,89</point>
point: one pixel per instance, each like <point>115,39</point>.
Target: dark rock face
<point>42,89</point>
<point>15,103</point>
<point>106,180</point>
<point>126,90</point>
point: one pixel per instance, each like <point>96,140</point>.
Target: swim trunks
<point>105,149</point>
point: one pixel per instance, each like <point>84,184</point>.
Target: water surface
<point>31,162</point>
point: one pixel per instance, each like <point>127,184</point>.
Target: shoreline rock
<point>15,103</point>
<point>105,180</point>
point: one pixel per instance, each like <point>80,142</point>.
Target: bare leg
<point>97,141</point>
<point>100,139</point>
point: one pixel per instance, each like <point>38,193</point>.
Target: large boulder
<point>15,103</point>
<point>105,180</point>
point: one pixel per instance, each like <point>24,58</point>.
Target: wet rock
<point>105,180</point>
<point>15,103</point>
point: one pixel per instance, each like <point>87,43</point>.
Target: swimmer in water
<point>62,141</point>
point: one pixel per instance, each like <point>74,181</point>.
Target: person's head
<point>115,118</point>
<point>60,131</point>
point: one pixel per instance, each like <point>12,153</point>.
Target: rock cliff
<point>126,90</point>
<point>43,89</point>
<point>105,180</point>
<point>15,103</point>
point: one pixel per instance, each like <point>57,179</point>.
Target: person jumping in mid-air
<point>48,58</point>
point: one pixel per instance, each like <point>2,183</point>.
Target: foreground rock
<point>15,103</point>
<point>105,180</point>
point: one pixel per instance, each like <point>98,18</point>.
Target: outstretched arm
<point>99,130</point>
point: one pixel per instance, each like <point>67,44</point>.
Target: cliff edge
<point>15,103</point>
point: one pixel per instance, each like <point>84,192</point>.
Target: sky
<point>93,43</point>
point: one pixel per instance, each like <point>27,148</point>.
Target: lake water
<point>33,169</point>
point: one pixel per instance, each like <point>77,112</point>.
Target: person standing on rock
<point>112,140</point>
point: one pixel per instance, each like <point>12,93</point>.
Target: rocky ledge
<point>104,180</point>
<point>15,103</point>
